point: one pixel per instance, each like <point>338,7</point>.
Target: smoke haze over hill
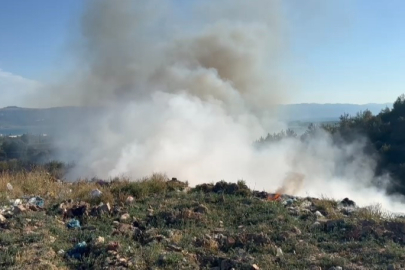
<point>190,101</point>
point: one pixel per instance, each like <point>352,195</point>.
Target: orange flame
<point>275,197</point>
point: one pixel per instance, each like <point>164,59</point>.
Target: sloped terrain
<point>157,223</point>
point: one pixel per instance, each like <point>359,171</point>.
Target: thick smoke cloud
<point>188,94</point>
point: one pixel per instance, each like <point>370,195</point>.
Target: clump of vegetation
<point>222,187</point>
<point>383,131</point>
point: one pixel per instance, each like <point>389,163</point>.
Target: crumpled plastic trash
<point>279,252</point>
<point>95,193</point>
<point>9,186</point>
<point>17,202</point>
<point>37,201</point>
<point>73,223</point>
<point>79,250</point>
<point>130,199</point>
<point>288,202</point>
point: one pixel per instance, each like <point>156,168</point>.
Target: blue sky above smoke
<point>345,51</point>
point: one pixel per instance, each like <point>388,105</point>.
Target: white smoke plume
<point>187,95</point>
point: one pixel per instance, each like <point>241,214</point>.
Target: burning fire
<point>274,197</point>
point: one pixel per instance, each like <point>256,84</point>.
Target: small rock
<point>113,246</point>
<point>255,267</point>
<point>2,219</point>
<point>316,226</point>
<point>318,214</point>
<point>61,252</point>
<point>52,239</point>
<point>123,261</point>
<point>104,208</point>
<point>201,209</point>
<point>125,217</point>
<point>19,209</point>
<point>296,230</point>
<point>99,241</point>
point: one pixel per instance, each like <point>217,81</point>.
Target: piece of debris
<point>9,187</point>
<point>125,217</point>
<point>99,241</point>
<point>319,214</point>
<point>17,202</point>
<point>130,200</point>
<point>279,252</point>
<point>113,246</point>
<point>95,193</point>
<point>346,202</point>
<point>37,201</point>
<point>255,267</point>
<point>2,219</point>
<point>79,250</point>
<point>73,223</point>
<point>19,209</point>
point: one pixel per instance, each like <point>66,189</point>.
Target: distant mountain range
<point>313,112</point>
<point>16,120</point>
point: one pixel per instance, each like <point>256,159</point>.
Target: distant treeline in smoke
<point>384,131</point>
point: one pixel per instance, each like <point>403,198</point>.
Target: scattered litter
<point>306,204</point>
<point>73,223</point>
<point>288,202</point>
<point>61,252</point>
<point>9,187</point>
<point>17,202</point>
<point>279,252</point>
<point>130,199</point>
<point>78,250</point>
<point>95,193</point>
<point>37,201</point>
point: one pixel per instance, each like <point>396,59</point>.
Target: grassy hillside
<point>159,223</point>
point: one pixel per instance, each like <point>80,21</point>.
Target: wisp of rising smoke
<point>189,101</point>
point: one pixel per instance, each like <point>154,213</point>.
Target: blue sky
<point>353,54</point>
